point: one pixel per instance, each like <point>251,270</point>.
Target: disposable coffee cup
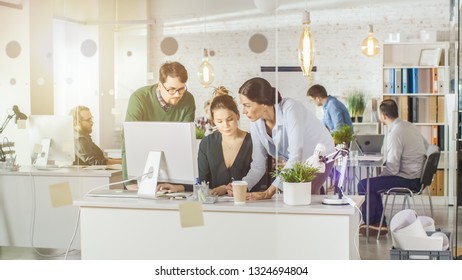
<point>239,191</point>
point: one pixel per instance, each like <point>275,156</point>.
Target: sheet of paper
<point>60,194</point>
<point>21,124</point>
<point>191,214</point>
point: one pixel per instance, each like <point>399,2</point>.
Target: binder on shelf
<point>440,109</point>
<point>422,109</point>
<point>413,110</point>
<point>413,76</point>
<point>424,80</point>
<point>434,138</point>
<point>386,81</point>
<point>391,88</point>
<point>404,84</point>
<point>397,80</point>
<point>403,105</point>
<point>434,83</point>
<point>439,182</point>
<point>432,109</point>
<point>433,188</point>
<point>441,138</point>
<point>441,80</point>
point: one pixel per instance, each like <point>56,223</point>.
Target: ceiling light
<point>306,46</point>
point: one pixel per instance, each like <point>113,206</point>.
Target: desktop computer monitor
<point>175,140</point>
<point>51,140</point>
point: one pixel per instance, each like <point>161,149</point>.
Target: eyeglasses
<point>86,120</point>
<point>173,91</point>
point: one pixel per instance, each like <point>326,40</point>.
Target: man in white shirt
<point>406,151</point>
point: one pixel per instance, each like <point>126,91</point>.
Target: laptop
<point>368,144</point>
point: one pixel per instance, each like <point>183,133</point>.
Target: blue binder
<point>391,83</point>
<point>413,82</point>
<point>404,80</point>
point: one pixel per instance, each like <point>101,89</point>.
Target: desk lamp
<point>19,116</point>
<point>319,159</point>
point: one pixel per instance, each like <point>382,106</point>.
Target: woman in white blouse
<point>284,129</point>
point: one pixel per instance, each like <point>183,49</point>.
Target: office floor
<point>372,250</point>
<point>445,218</point>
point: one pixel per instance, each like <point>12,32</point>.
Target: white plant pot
<point>297,193</point>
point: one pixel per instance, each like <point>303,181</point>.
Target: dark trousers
<point>381,183</point>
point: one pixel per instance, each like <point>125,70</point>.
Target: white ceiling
<point>167,11</point>
<point>172,10</point>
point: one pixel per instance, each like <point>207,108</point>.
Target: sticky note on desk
<point>60,194</point>
<point>191,214</point>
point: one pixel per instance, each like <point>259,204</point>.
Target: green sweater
<point>143,105</point>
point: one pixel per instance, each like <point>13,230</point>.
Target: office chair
<point>426,178</point>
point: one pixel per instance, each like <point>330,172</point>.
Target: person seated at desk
<point>406,151</point>
<point>284,122</point>
<point>86,151</point>
<point>226,154</point>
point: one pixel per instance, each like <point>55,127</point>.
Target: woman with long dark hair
<point>282,128</point>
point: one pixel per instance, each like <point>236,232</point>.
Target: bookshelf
<point>416,76</point>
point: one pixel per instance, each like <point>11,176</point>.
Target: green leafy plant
<point>199,133</point>
<point>344,134</point>
<point>299,172</point>
<point>356,103</point>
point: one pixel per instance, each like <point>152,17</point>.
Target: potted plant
<point>343,135</point>
<point>361,107</point>
<point>356,105</point>
<point>297,182</point>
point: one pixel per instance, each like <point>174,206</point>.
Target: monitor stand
<point>42,153</point>
<point>147,184</point>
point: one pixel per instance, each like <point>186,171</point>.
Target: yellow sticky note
<point>191,214</point>
<point>21,124</point>
<point>60,194</point>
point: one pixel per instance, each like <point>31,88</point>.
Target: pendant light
<point>205,73</point>
<point>370,46</point>
<point>306,46</point>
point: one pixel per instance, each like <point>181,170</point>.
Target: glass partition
<point>97,53</point>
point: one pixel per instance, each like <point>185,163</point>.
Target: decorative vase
<point>297,193</point>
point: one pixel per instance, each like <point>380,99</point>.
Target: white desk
<point>116,228</point>
<point>53,227</point>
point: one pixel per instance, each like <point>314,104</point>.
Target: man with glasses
<point>86,151</point>
<point>168,100</point>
